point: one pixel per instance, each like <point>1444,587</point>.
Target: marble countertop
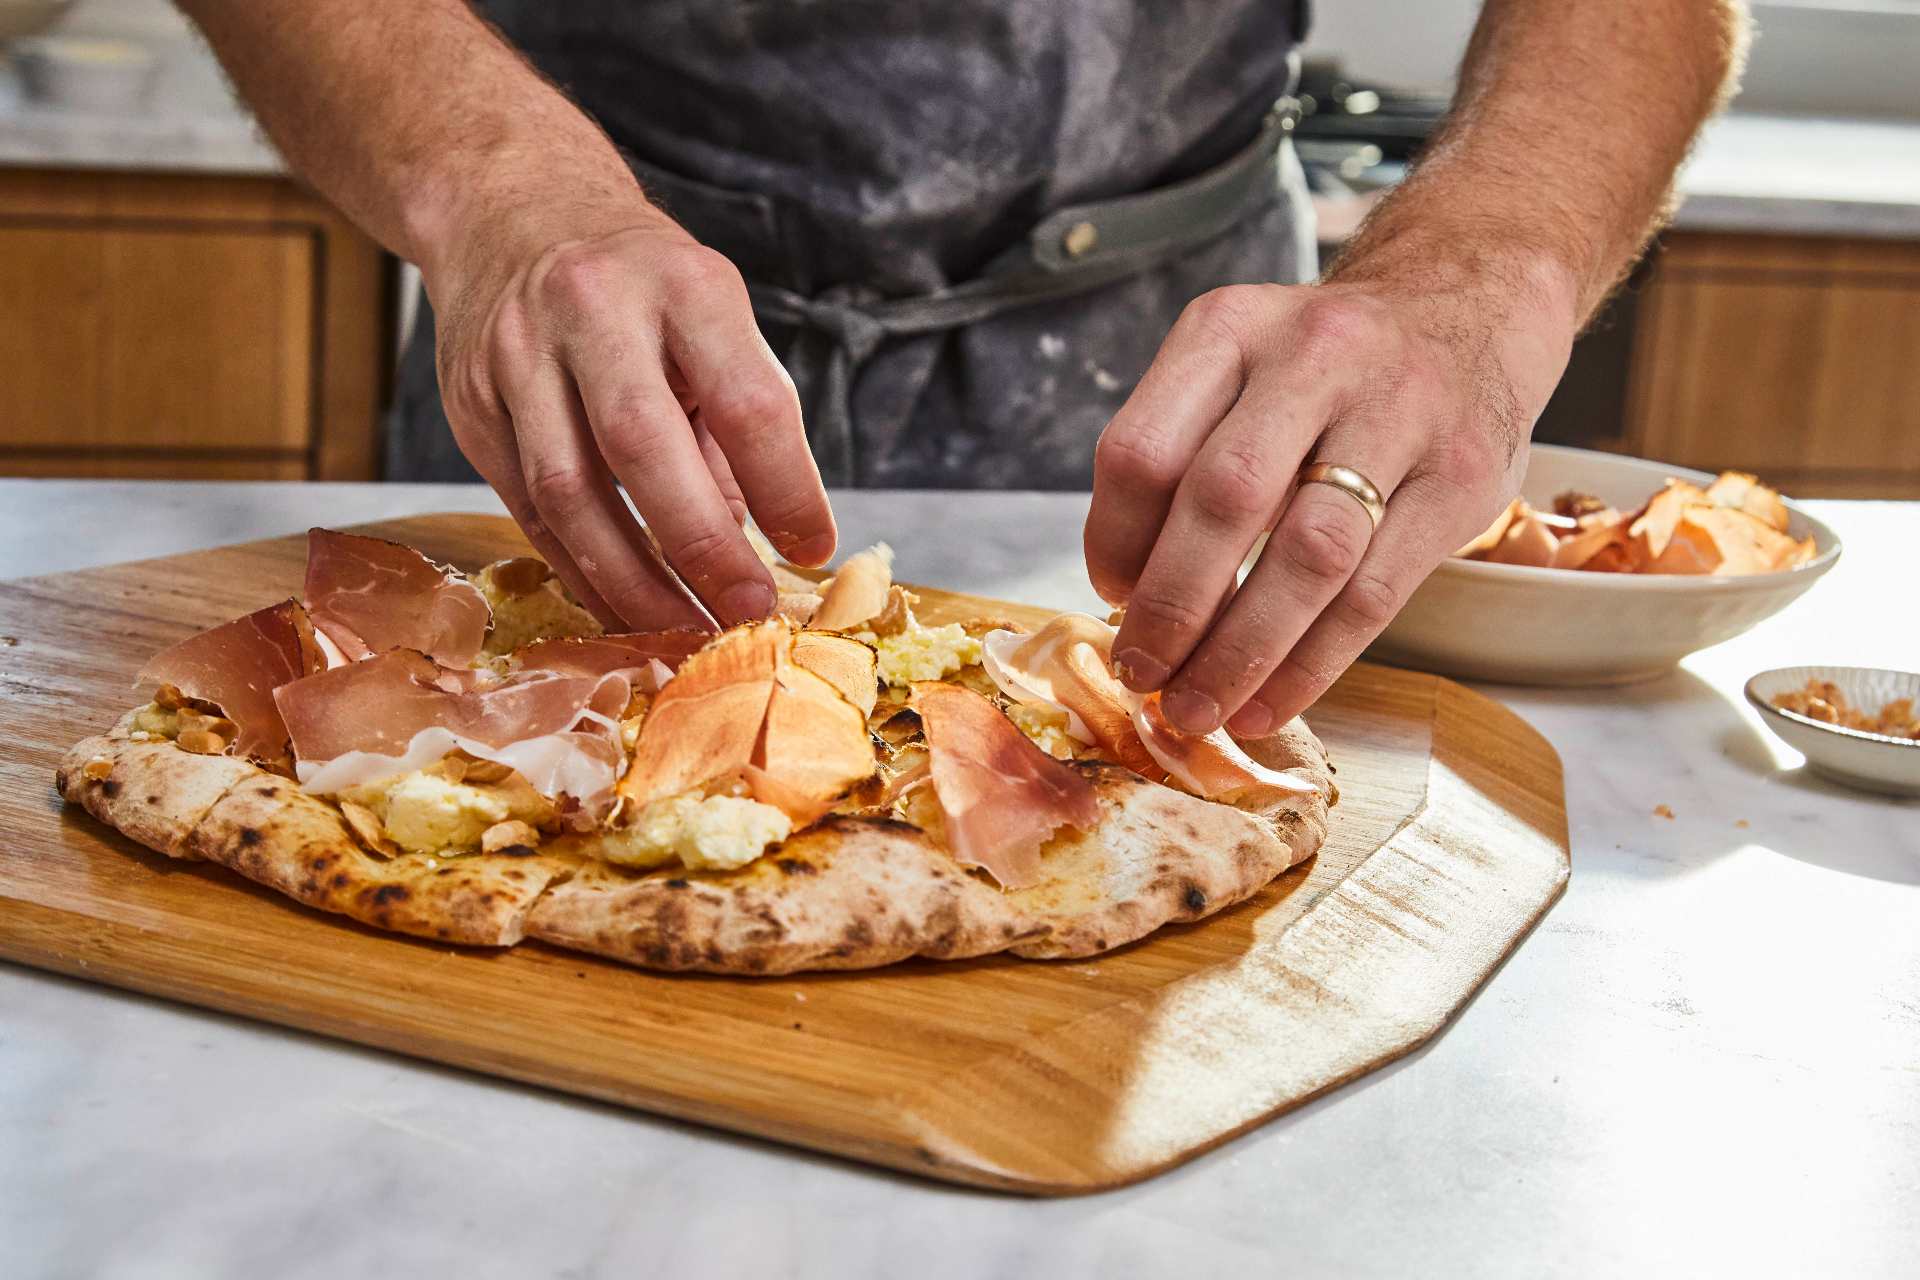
<point>1706,1059</point>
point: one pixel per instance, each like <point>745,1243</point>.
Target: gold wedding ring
<point>1351,482</point>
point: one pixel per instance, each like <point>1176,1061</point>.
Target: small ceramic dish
<point>1523,625</point>
<point>1871,761</point>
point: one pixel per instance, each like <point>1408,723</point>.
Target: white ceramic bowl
<point>86,73</point>
<point>1524,625</point>
<point>1871,761</point>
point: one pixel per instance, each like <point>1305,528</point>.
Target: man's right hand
<point>628,353</point>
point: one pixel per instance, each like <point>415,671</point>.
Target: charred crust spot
<point>109,787</point>
<point>153,799</point>
<point>340,879</point>
<point>382,919</point>
<point>1195,898</point>
<point>394,893</point>
<point>269,792</point>
<point>796,867</point>
<point>925,1155</point>
<point>858,934</point>
<point>442,933</point>
<point>517,851</point>
<point>678,882</point>
<point>486,899</point>
<point>322,862</point>
<point>250,836</point>
<point>658,954</point>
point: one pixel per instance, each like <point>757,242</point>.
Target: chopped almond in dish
<point>1826,702</point>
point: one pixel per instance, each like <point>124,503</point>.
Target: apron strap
<point>1074,250</point>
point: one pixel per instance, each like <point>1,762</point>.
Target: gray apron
<point>966,227</point>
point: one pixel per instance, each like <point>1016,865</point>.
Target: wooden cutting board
<point>1449,841</point>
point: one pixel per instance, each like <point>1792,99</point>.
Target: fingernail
<point>1139,670</point>
<point>745,601</point>
<point>1251,721</point>
<point>1191,711</point>
<point>813,552</point>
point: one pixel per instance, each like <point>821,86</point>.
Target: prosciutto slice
<point>399,711</point>
<point>597,655</point>
<point>238,665</point>
<point>743,707</point>
<point>1065,665</point>
<point>1209,765</point>
<point>1001,795</point>
<point>369,595</point>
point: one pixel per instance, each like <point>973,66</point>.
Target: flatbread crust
<point>852,892</point>
<point>263,826</point>
<point>848,893</point>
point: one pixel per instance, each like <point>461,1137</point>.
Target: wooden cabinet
<point>1794,357</point>
<point>170,326</point>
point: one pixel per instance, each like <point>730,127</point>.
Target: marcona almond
<point>219,726</point>
<point>168,698</point>
<point>486,772</point>
<point>510,834</point>
<point>98,768</point>
<point>451,768</point>
<point>368,828</point>
<point>201,742</point>
<point>519,576</point>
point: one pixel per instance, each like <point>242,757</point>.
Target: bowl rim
<point>1840,731</point>
<point>1822,561</point>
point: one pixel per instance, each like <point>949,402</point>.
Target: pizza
<point>472,758</point>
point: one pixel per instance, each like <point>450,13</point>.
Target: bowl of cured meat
<point>1608,570</point>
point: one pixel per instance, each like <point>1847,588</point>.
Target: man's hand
<point>1421,363</point>
<point>1429,394</point>
<point>629,355</point>
<point>584,337</point>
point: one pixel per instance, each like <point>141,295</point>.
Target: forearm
<point>1557,161</point>
<point>418,121</point>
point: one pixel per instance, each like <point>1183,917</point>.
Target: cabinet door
<point>148,340</point>
<point>1795,359</point>
<point>187,325</point>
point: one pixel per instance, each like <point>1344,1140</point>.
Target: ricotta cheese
<point>425,813</point>
<point>920,652</point>
<point>544,613</point>
<point>712,833</point>
<point>1045,726</point>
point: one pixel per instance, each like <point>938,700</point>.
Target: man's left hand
<point>1428,390</point>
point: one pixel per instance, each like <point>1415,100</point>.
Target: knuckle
<point>628,438</point>
<point>1371,600</point>
<point>703,554</point>
<point>700,271</point>
<point>1230,490</point>
<point>1166,614</point>
<point>1329,329</point>
<point>1322,548</point>
<point>755,406</point>
<point>1307,675</point>
<point>1231,312</point>
<point>1135,459</point>
<point>573,277</point>
<point>1231,660</point>
<point>556,490</point>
